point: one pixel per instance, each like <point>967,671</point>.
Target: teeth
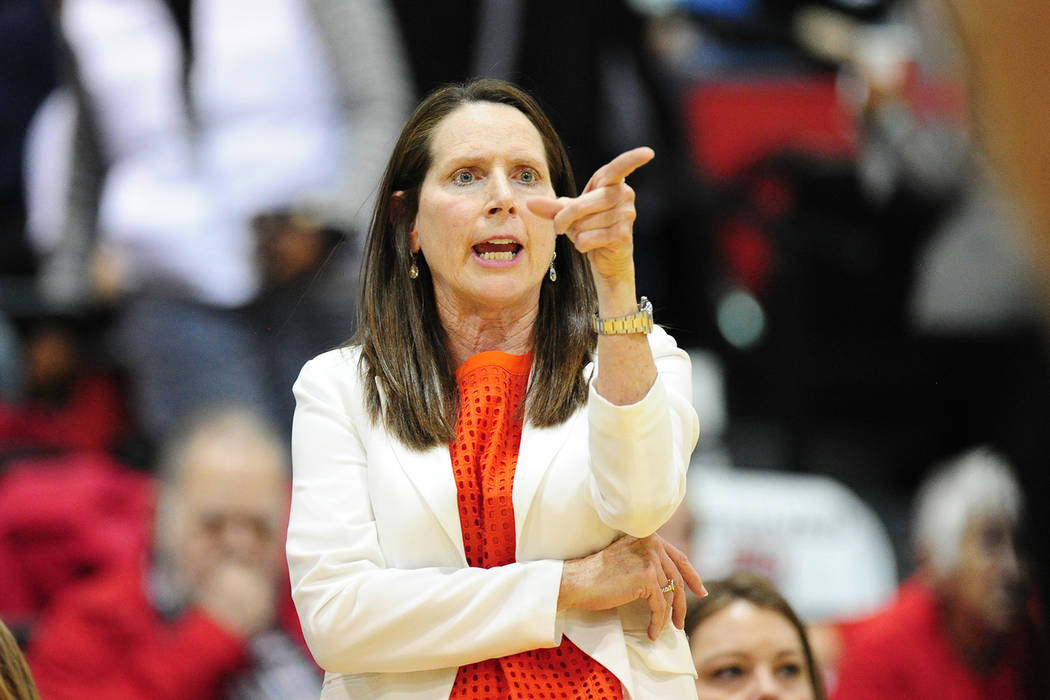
<point>500,240</point>
<point>497,256</point>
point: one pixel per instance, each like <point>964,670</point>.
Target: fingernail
<point>703,591</point>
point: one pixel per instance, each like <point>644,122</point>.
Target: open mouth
<point>497,249</point>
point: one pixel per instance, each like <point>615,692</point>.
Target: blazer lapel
<point>539,447</point>
<point>430,471</point>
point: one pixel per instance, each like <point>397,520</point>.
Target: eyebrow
<point>736,655</point>
<point>476,157</point>
<point>724,656</point>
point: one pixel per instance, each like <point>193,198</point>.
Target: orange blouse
<point>484,456</point>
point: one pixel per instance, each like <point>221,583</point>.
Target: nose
<point>501,195</point>
<point>1011,565</point>
<point>240,540</point>
<point>765,685</point>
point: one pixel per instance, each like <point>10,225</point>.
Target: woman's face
<point>747,652</point>
<point>485,249</point>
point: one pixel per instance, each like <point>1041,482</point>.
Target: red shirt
<point>63,519</point>
<point>904,653</point>
<point>105,640</point>
<point>484,456</point>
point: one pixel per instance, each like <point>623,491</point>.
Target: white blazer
<point>388,604</point>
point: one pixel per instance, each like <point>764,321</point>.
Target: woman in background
<point>748,643</point>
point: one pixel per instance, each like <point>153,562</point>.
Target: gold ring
<point>669,587</point>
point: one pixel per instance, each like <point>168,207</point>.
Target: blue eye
<point>528,176</point>
<point>464,177</point>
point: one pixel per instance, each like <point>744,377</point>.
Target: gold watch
<point>641,321</point>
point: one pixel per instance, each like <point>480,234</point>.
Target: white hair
<point>977,483</point>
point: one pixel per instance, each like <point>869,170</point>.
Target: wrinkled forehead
<point>478,129</point>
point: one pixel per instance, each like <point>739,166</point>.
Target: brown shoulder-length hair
<point>403,345</point>
<point>744,585</point>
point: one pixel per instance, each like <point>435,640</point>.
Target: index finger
<point>616,170</point>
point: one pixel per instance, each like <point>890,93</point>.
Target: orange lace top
<point>484,455</point>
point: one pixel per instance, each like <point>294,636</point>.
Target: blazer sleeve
<point>359,615</point>
<point>640,452</point>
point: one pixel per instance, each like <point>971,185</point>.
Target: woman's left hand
<point>600,222</point>
<point>628,569</point>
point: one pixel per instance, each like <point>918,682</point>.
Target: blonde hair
<point>16,682</point>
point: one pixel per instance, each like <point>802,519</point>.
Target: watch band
<point>641,321</point>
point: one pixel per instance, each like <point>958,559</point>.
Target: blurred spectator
<point>1003,46</point>
<point>747,643</point>
<point>974,299</point>
<point>210,615</point>
<point>65,401</point>
<point>903,78</point>
<point>64,519</point>
<point>236,145</point>
<point>899,273</point>
<point>16,682</point>
<point>961,626</point>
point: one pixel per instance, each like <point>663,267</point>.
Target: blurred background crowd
<point>184,187</point>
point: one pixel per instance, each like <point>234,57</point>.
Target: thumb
<point>547,207</point>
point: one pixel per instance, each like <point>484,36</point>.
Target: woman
<point>478,475</point>
<point>748,643</point>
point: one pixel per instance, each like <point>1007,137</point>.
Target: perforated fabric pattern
<point>484,456</point>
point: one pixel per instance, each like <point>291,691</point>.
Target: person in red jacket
<point>210,615</point>
<point>961,627</point>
